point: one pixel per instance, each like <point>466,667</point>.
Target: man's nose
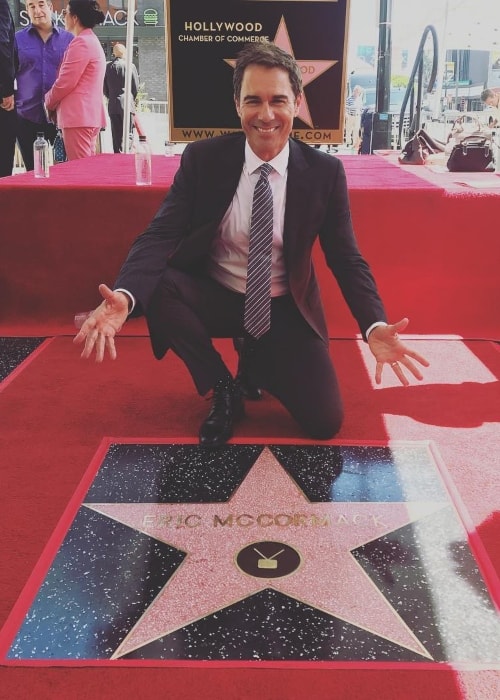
<point>266,112</point>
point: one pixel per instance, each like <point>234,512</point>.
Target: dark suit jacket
<point>8,57</point>
<point>317,205</point>
<point>114,85</point>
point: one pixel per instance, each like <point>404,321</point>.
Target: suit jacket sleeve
<point>135,82</point>
<point>182,231</point>
<point>317,207</point>
<point>148,256</point>
<point>105,86</point>
<point>344,258</point>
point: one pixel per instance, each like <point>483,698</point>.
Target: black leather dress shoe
<point>227,409</point>
<point>249,387</point>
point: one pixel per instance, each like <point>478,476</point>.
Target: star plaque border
<point>142,569</point>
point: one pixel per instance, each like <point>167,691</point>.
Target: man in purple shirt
<point>40,47</point>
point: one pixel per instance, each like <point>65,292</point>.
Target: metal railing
<point>152,106</point>
<point>416,80</point>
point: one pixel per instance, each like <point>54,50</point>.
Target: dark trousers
<point>290,361</point>
<point>7,141</point>
<point>26,135</point>
<point>116,121</point>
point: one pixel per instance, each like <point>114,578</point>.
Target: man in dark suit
<point>7,74</point>
<point>114,90</point>
<point>187,273</point>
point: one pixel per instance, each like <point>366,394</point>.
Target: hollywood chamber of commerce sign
<point>203,40</point>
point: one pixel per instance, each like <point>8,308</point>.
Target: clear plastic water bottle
<point>41,155</point>
<point>143,162</point>
<point>169,148</point>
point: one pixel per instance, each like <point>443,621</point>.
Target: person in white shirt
<point>492,100</point>
<point>353,109</point>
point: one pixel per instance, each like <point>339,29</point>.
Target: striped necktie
<point>257,317</point>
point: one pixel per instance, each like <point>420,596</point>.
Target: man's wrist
<point>130,299</point>
<point>373,326</point>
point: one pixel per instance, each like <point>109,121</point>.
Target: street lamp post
<point>384,57</point>
<point>382,123</point>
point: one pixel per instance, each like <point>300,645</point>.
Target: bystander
<point>41,47</point>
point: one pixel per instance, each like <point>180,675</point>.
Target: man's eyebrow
<point>274,97</point>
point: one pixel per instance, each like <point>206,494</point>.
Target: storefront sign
<point>116,18</point>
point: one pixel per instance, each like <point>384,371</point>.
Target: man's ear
<point>237,105</point>
<point>298,101</point>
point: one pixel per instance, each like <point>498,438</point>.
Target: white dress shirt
<point>229,256</point>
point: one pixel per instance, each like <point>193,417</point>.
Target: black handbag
<point>472,155</point>
<point>468,125</point>
<point>59,150</point>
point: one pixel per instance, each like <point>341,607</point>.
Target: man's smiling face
<point>267,107</point>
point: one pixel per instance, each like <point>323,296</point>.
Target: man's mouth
<point>266,129</point>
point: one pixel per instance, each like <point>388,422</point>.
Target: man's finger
<point>399,326</point>
<point>89,344</point>
<point>110,344</point>
<point>398,371</point>
<point>106,293</point>
<point>412,368</point>
<point>79,338</point>
<point>419,358</point>
<point>99,347</point>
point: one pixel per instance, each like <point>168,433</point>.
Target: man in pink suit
<point>76,97</point>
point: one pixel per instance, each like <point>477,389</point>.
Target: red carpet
<point>57,408</point>
<point>434,262</point>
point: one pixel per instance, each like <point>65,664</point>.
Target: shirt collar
<point>55,28</point>
<point>279,162</point>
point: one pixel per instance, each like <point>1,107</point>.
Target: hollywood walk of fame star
<point>268,510</point>
<point>310,70</point>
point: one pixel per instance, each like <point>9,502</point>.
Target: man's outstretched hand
<point>99,330</point>
<point>387,347</point>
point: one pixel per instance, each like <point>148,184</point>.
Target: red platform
<point>432,250</point>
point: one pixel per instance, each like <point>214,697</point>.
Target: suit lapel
<point>224,181</point>
<point>296,193</point>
